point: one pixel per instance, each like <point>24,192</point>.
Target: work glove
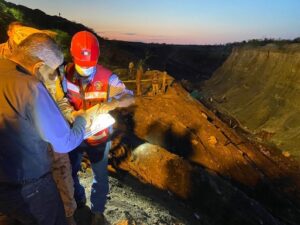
<point>107,106</point>
<point>122,103</point>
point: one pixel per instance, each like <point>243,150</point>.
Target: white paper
<point>97,122</point>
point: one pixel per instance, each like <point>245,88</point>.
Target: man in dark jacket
<point>29,121</point>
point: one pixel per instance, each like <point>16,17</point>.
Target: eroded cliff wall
<point>260,88</point>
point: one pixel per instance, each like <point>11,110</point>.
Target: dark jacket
<point>29,120</point>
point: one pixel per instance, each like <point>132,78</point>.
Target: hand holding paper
<point>75,113</point>
<point>107,106</point>
<point>97,122</point>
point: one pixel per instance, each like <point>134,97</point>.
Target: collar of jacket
<point>22,69</point>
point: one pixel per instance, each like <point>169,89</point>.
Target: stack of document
<point>97,122</point>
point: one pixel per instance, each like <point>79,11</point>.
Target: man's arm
<point>118,95</point>
<point>55,89</point>
<point>51,124</point>
<point>63,102</point>
<point>117,88</point>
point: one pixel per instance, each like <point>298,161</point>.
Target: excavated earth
<point>175,162</point>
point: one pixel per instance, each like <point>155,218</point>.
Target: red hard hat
<point>85,49</point>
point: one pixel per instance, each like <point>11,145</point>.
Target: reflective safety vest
<point>95,92</point>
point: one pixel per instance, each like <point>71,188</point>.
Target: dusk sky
<point>180,21</point>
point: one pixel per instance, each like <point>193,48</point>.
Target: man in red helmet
<point>87,84</point>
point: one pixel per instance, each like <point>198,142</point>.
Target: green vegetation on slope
<point>260,87</point>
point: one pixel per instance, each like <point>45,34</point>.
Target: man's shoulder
<point>18,85</point>
<point>103,69</point>
<point>7,66</point>
<point>13,72</point>
<point>4,45</point>
<point>104,72</point>
<point>6,62</point>
<point>5,50</point>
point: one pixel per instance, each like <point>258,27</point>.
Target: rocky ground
<point>131,202</point>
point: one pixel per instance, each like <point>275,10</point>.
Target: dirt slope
<point>197,146</point>
<point>260,88</point>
